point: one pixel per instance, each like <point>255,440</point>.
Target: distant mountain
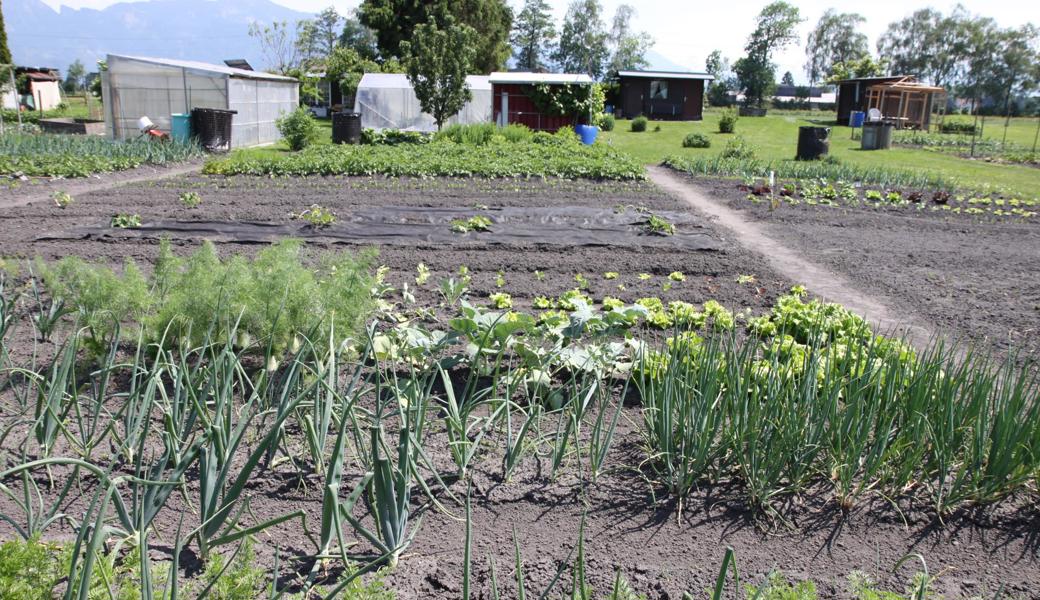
<point>659,62</point>
<point>204,30</point>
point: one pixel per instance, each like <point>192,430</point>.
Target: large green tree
<point>437,59</point>
<point>534,34</point>
<point>628,48</point>
<point>359,38</point>
<point>774,30</point>
<point>395,21</point>
<point>583,40</point>
<point>835,39</point>
<point>5,52</point>
<point>318,37</point>
<point>929,45</point>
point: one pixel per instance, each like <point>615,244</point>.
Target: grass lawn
<point>775,137</point>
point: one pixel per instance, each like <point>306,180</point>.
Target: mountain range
<point>202,30</point>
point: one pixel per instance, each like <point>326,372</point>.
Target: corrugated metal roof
<point>204,67</point>
<point>400,81</point>
<point>519,77</point>
<point>666,74</point>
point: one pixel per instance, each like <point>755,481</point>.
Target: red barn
<point>512,103</point>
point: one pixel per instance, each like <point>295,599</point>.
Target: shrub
<point>605,122</point>
<point>738,148</point>
<point>516,133</point>
<point>298,128</point>
<point>393,137</point>
<point>961,127</point>
<point>696,140</point>
<point>476,134</point>
<point>728,122</point>
<point>639,123</point>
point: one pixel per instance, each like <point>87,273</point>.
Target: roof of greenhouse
<point>519,77</point>
<point>400,80</point>
<point>202,67</point>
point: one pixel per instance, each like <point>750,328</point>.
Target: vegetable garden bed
<point>559,332</point>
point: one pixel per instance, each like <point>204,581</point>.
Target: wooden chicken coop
<point>902,100</point>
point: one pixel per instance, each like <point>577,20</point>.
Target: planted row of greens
<point>832,170</point>
<point>543,156</point>
<point>56,155</point>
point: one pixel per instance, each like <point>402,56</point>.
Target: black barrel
<point>212,127</point>
<point>346,128</point>
<point>813,142</point>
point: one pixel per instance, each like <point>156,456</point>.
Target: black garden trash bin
<point>813,142</point>
<point>212,127</point>
<point>346,128</point>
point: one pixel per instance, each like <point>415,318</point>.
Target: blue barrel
<point>856,118</point>
<point>180,127</point>
<point>588,134</point>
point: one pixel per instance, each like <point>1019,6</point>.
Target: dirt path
<point>41,190</point>
<point>787,262</point>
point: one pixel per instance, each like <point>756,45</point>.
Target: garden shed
<point>134,87</point>
<point>515,97</point>
<point>387,101</point>
<point>667,95</point>
<point>42,89</point>
<point>900,99</point>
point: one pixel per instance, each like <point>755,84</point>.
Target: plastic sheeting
<point>387,101</point>
<point>408,226</point>
<point>136,87</point>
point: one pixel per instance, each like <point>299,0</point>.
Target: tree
<point>437,60</point>
<point>533,35</point>
<point>787,79</point>
<point>775,29</point>
<point>5,52</point>
<point>1018,56</point>
<point>928,45</point>
<point>359,38</point>
<point>277,44</point>
<point>718,67</point>
<point>629,49</point>
<point>316,38</point>
<point>394,22</point>
<point>835,39</point>
<point>867,66</point>
<point>74,76</point>
<point>583,40</point>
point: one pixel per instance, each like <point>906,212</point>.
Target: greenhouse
<point>135,87</point>
<point>387,101</point>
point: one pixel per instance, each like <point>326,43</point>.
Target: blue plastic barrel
<point>856,118</point>
<point>180,127</point>
<point>587,133</point>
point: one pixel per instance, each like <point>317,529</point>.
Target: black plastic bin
<point>212,127</point>
<point>346,128</point>
<point>813,142</point>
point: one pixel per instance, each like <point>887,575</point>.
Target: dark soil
<point>631,524</point>
<point>974,277</point>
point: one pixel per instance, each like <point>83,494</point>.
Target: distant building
<point>667,95</point>
<point>43,91</point>
<point>512,102</point>
<point>899,98</point>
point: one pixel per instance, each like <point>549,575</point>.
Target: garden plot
<point>663,523</point>
<point>965,262</point>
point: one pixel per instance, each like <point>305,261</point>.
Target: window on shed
<point>658,89</point>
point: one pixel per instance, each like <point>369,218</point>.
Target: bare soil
<point>631,524</point>
<point>975,278</point>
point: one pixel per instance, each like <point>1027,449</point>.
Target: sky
<point>686,31</point>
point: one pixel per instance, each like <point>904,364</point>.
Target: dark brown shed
<point>666,95</point>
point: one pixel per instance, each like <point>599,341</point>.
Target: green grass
<point>775,137</point>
